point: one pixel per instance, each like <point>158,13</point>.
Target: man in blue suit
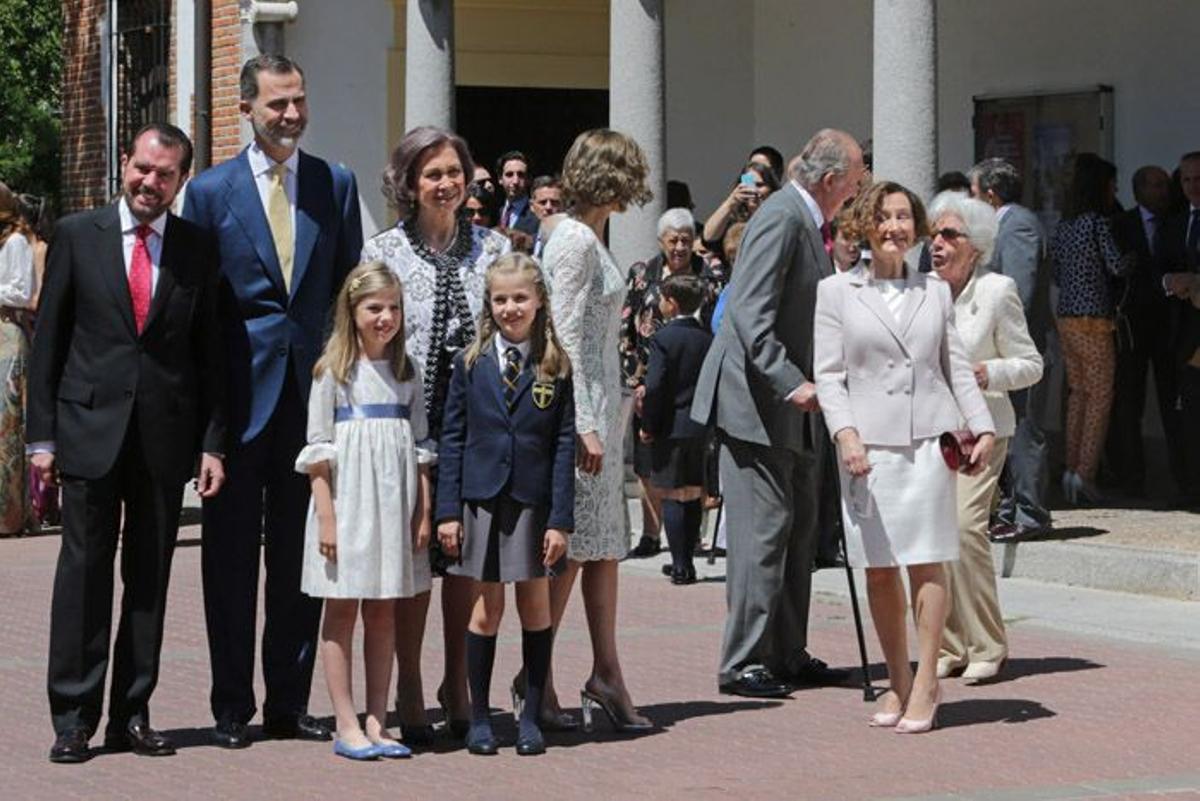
<point>288,230</point>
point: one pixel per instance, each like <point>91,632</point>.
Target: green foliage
<point>31,63</point>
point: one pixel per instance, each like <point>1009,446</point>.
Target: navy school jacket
<point>528,454</point>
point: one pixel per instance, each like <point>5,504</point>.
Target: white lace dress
<point>372,430</point>
<point>587,291</point>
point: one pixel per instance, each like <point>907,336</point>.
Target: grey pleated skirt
<point>502,541</point>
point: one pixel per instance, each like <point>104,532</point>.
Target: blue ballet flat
<point>393,750</point>
<point>361,754</point>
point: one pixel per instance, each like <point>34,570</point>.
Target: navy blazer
<point>264,323</point>
<point>677,352</point>
<point>528,454</point>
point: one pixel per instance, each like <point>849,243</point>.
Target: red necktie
<point>139,278</point>
<point>827,239</point>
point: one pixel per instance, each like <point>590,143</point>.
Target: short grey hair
<point>825,153</point>
<point>678,219</point>
<point>979,220</point>
<point>1000,176</point>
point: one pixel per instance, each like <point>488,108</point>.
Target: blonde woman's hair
<point>605,166</point>
<point>342,350</point>
<point>544,350</point>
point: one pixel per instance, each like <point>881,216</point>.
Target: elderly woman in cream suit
<point>991,323</point>
<point>892,376</point>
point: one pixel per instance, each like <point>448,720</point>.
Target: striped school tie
<point>512,371</point>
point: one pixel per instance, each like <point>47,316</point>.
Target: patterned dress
<point>443,298</point>
<point>587,291</point>
<point>16,291</point>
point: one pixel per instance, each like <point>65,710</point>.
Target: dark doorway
<point>540,122</point>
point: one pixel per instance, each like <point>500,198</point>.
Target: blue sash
<point>371,411</point>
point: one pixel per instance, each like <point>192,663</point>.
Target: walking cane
<point>868,689</point>
<point>712,549</point>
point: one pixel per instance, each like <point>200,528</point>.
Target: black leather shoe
<point>71,746</point>
<point>757,683</point>
<point>419,736</point>
<point>647,546</point>
<point>301,727</point>
<point>531,744</point>
<point>141,740</point>
<point>231,734</point>
<point>815,672</point>
<point>1015,532</point>
<point>685,576</point>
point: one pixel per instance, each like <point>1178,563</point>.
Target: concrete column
<point>905,93</point>
<point>635,107</point>
<point>429,64</point>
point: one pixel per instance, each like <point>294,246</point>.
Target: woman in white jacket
<point>991,324</point>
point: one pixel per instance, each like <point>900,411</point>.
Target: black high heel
<point>590,701</point>
<point>457,726</point>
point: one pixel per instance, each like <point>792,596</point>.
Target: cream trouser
<point>974,627</point>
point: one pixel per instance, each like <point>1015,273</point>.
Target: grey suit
<point>772,454</point>
<point>1019,254</point>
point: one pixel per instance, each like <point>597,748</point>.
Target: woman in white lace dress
<point>603,172</point>
<point>440,258</point>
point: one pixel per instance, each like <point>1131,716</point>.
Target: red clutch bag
<point>956,449</point>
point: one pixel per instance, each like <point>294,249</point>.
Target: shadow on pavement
<point>991,710</point>
<point>1069,533</point>
<point>1021,667</point>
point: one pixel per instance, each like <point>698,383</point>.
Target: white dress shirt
<point>154,240</point>
<point>1150,223</point>
<point>261,165</point>
<point>501,345</point>
<point>17,277</point>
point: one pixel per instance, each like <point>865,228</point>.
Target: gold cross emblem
<point>543,394</point>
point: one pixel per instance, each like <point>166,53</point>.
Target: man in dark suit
<point>1146,341</point>
<point>126,387</point>
<point>288,230</point>
<point>1177,262</point>
<point>1020,254</point>
<point>756,387</point>
<point>512,168</point>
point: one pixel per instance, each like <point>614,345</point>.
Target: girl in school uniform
<point>507,511</point>
<point>369,520</point>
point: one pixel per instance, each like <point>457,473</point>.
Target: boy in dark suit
<point>677,352</point>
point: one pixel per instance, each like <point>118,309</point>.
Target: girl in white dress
<point>369,519</point>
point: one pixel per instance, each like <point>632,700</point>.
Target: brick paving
<point>1079,717</point>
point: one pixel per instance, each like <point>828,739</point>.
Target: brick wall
<point>84,125</point>
<point>226,66</point>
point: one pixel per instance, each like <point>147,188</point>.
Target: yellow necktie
<point>279,216</point>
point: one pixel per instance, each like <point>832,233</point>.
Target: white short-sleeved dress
<point>905,511</point>
<point>373,431</point>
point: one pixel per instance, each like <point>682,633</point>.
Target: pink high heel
<point>910,726</point>
<point>885,720</point>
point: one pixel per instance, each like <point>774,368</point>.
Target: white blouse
<point>17,278</point>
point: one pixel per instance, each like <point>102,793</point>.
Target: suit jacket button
<point>907,391</point>
<point>889,392</point>
<point>282,352</point>
<point>129,393</point>
<point>891,363</point>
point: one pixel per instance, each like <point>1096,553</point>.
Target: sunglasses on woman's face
<point>949,234</point>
